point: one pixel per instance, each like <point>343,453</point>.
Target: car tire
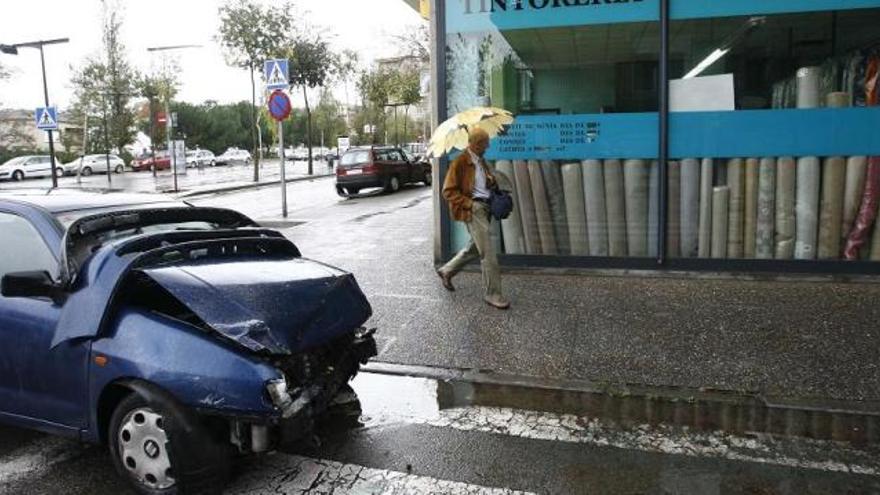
<point>86,171</point>
<point>353,190</point>
<point>59,172</point>
<point>119,169</point>
<point>427,179</point>
<point>18,176</point>
<point>340,191</point>
<point>213,163</point>
<point>138,445</point>
<point>392,185</point>
<point>145,441</point>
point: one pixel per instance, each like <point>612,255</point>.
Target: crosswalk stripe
<point>294,474</point>
<point>811,454</point>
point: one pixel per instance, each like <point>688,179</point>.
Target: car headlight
<point>277,390</point>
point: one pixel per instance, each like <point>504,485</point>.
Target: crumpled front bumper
<point>314,394</point>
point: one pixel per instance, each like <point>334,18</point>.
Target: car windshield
<point>356,157</point>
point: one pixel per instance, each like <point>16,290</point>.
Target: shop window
<point>581,155</point>
<point>773,134</point>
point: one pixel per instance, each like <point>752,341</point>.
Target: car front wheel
<point>18,175</point>
<point>119,169</point>
<point>86,171</point>
<point>427,179</point>
<point>393,184</point>
<point>139,447</point>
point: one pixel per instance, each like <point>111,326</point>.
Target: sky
<point>365,26</point>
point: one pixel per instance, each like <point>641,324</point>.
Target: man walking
<point>466,189</point>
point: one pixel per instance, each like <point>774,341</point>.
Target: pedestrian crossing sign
<point>47,118</point>
<point>275,72</point>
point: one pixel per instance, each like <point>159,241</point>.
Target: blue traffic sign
<point>47,118</point>
<point>275,72</point>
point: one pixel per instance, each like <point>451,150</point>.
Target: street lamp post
<point>168,120</point>
<point>13,50</point>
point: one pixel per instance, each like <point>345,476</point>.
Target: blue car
<point>178,336</point>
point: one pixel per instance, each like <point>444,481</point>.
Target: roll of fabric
<point>705,241</point>
<point>856,170</point>
<point>750,220</point>
<point>765,222</point>
<point>867,215</point>
<point>831,207</point>
<point>690,207</point>
<point>808,83</point>
<point>874,254</point>
<point>615,205</point>
<point>556,197</point>
<point>786,178</point>
<point>527,207</point>
<point>542,210</point>
<point>511,227</point>
<point>636,173</point>
<point>597,214</point>
<point>838,99</point>
<point>575,209</point>
<point>807,207</point>
<point>736,209</point>
<point>720,205</point>
<point>654,209</point>
<point>673,211</point>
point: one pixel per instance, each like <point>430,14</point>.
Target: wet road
<point>422,436</point>
<point>410,440</point>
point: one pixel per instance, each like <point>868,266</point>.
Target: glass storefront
<point>771,116</point>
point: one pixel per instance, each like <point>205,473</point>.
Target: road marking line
<point>291,474</point>
<point>811,454</point>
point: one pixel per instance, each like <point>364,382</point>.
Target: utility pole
<point>13,50</point>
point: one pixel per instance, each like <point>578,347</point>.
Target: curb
<point>241,187</point>
<point>857,422</point>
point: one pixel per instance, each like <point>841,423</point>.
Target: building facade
<point>731,135</point>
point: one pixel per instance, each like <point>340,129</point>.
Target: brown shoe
<point>497,302</point>
<point>447,280</point>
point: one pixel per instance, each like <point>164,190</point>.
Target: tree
<point>251,34</point>
<point>415,41</point>
<point>407,91</point>
<point>312,65</point>
<point>159,88</point>
<point>328,117</point>
<point>105,85</point>
<point>376,90</point>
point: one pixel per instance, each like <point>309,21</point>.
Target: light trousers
<point>480,246</point>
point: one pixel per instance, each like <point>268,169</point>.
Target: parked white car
<point>200,158</point>
<point>23,167</point>
<point>93,164</point>
<point>234,156</point>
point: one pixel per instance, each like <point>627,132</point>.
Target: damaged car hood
<point>278,306</point>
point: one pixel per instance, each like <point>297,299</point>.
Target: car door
<point>38,166</point>
<point>401,167</point>
<point>39,385</point>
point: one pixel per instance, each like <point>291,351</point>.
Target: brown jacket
<point>458,188</point>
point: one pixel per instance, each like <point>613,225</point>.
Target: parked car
<point>300,153</point>
<point>93,164</point>
<point>385,167</point>
<point>200,158</point>
<point>233,156</point>
<point>24,167</point>
<point>106,299</point>
<point>145,162</point>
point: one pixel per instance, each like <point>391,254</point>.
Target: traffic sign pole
<point>283,174</point>
<point>51,139</point>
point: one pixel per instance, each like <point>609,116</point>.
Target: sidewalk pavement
<point>795,339</point>
<point>194,182</point>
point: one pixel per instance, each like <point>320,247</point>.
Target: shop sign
<point>489,15</point>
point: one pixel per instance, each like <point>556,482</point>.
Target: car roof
<point>66,200</point>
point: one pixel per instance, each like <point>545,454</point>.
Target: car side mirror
<point>28,284</point>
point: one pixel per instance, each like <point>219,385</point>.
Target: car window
<point>23,247</point>
<point>356,157</point>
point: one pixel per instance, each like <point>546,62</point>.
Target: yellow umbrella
<point>453,134</point>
